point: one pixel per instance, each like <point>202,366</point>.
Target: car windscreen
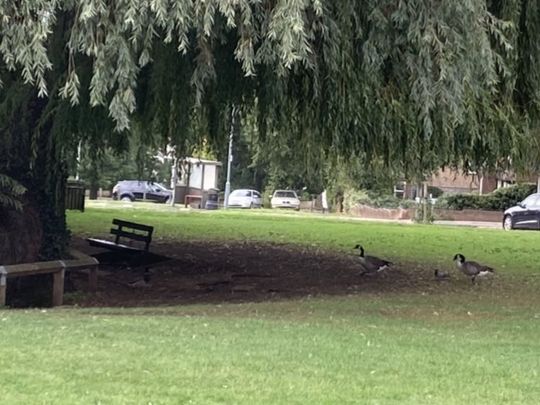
<point>160,186</point>
<point>241,193</point>
<point>285,194</point>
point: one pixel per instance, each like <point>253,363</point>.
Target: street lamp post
<point>230,157</point>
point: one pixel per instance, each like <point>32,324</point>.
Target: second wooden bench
<point>126,230</point>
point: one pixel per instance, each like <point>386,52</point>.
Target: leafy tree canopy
<point>416,84</point>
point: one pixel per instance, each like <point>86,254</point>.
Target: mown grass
<point>469,345</point>
<point>309,351</point>
<point>514,252</point>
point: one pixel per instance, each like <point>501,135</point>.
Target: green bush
<point>373,199</point>
<point>460,201</point>
<point>381,201</point>
<point>421,216</point>
<point>498,200</point>
<point>435,192</point>
<point>507,197</point>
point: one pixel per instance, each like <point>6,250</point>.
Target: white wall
<point>210,177</point>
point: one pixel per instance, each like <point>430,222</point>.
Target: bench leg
<point>3,280</point>
<point>58,288</point>
<point>92,278</point>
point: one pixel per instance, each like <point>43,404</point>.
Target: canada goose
<point>372,264</point>
<point>470,268</point>
<point>441,275</point>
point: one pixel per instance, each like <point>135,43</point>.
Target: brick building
<point>452,181</point>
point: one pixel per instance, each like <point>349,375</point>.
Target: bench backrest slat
<point>132,226</point>
<point>130,235</point>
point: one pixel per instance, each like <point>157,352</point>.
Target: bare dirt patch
<point>211,272</point>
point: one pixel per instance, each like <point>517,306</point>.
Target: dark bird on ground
<point>441,275</point>
<point>372,264</point>
<point>472,269</point>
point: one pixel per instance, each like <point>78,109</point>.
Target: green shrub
<point>435,192</point>
<point>507,197</point>
<point>373,199</point>
<point>381,201</point>
<point>460,201</point>
<point>498,200</point>
<point>422,216</point>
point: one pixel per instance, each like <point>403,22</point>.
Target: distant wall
<point>313,205</point>
<point>468,215</point>
<point>364,211</point>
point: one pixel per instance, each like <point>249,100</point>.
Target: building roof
<point>194,160</point>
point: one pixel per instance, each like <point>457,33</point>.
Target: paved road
<point>474,224</point>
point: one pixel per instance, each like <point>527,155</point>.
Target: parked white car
<point>285,199</point>
<point>244,198</point>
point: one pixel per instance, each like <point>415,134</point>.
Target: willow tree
<point>415,85</point>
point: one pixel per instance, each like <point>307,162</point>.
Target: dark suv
<point>131,190</point>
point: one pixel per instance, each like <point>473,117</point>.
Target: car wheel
<point>126,198</point>
<point>507,223</point>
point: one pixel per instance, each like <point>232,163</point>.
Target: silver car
<point>285,199</point>
<point>245,198</point>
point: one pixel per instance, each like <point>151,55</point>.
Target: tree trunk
<point>425,216</point>
<point>32,156</point>
<point>33,134</point>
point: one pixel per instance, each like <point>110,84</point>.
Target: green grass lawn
<point>514,252</point>
<point>471,345</point>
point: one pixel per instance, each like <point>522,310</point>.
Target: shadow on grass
<point>210,272</point>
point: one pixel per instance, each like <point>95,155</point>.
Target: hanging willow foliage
<point>416,84</point>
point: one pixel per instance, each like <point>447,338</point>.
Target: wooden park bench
<point>126,230</point>
<point>130,256</point>
<point>57,268</point>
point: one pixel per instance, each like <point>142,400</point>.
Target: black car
<point>131,190</point>
<point>525,215</point>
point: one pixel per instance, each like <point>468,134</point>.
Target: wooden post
<point>481,185</point>
<point>174,180</point>
<point>425,199</point>
<point>58,288</point>
<point>3,282</point>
